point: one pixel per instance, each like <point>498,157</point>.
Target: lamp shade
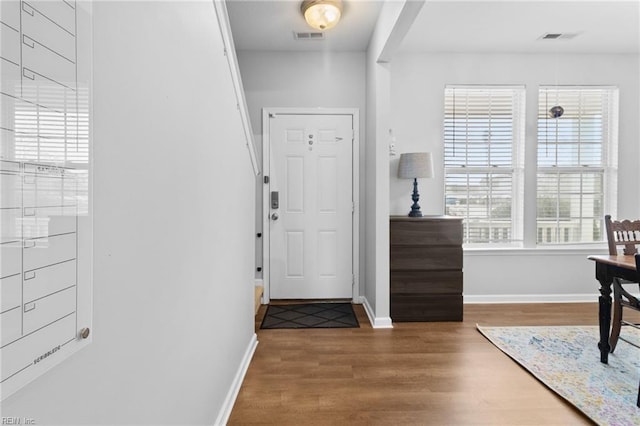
<point>415,165</point>
<point>322,14</point>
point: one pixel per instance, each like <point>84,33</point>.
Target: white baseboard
<point>227,406</point>
<point>532,298</point>
<point>376,322</point>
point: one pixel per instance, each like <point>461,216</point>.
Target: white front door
<point>311,206</point>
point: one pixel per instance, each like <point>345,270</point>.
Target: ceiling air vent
<point>308,36</point>
<point>568,36</point>
<point>557,36</point>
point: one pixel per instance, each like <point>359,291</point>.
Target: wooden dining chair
<point>623,233</point>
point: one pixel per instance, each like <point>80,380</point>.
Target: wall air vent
<point>308,36</point>
<point>557,36</point>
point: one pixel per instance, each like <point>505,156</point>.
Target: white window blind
<point>483,140</point>
<point>576,179</point>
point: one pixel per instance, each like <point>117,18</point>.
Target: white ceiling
<point>516,26</point>
<point>270,24</point>
<point>610,26</point>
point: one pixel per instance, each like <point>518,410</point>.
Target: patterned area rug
<point>567,360</point>
<point>311,315</point>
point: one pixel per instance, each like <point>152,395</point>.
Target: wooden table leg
<point>604,310</point>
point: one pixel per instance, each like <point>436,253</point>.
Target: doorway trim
<point>355,181</point>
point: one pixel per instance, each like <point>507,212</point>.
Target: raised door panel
<point>327,184</point>
<point>295,254</point>
<point>294,177</point>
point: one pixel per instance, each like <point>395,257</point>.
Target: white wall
<point>173,280</point>
<point>418,82</point>
<point>302,80</point>
<point>376,252</point>
<point>394,21</point>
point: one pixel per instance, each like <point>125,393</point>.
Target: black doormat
<point>310,315</point>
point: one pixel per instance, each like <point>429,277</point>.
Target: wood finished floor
<point>416,373</point>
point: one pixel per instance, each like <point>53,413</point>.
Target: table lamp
<point>414,165</point>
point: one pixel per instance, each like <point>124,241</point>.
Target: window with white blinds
<point>576,179</point>
<point>483,145</point>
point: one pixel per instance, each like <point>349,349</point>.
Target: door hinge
<point>353,280</point>
<point>353,135</point>
<point>353,207</point>
<point>266,179</point>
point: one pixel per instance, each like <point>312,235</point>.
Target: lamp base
<point>415,208</point>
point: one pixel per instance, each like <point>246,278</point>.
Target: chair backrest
<point>622,233</point>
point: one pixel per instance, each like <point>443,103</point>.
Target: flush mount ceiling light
<point>322,14</point>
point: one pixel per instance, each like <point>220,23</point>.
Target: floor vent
<point>308,36</point>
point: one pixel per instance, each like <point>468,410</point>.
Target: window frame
<point>607,167</point>
<point>515,170</point>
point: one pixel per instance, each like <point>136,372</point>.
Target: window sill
<point>576,250</point>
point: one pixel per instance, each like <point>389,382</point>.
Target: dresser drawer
<point>426,233</point>
<point>426,282</point>
<point>426,308</point>
<point>425,258</point>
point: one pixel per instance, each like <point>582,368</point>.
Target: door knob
<point>274,216</point>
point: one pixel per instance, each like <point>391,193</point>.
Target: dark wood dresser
<point>426,268</point>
